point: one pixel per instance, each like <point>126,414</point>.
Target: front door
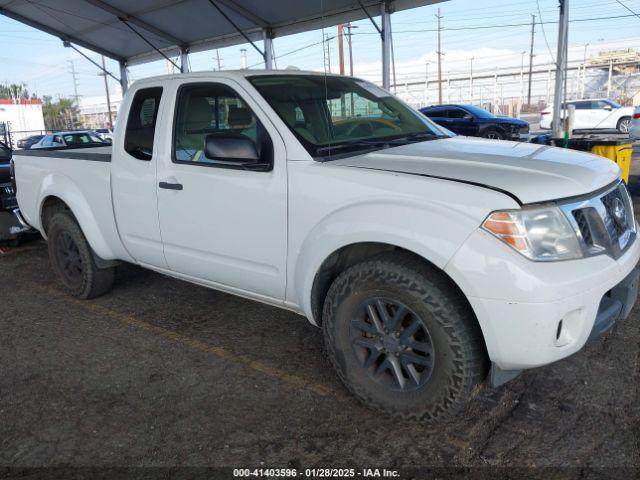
<point>221,221</point>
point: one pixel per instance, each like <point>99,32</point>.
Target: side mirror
<point>108,141</point>
<point>468,116</point>
<point>608,107</point>
<point>230,147</point>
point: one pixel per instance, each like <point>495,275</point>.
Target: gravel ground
<point>162,373</point>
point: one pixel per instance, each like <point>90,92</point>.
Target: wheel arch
<point>61,194</point>
<point>349,255</point>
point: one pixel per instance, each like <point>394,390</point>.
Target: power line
<point>622,4</point>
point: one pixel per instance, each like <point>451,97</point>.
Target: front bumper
<point>535,313</point>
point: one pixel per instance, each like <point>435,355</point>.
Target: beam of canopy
<point>130,31</point>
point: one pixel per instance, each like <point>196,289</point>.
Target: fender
<point>62,187</point>
<point>434,233</point>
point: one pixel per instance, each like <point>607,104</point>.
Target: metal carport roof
<point>130,31</point>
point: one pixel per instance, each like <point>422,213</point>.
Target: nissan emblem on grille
<point>619,213</point>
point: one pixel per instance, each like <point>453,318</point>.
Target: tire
<point>494,134</point>
<point>624,124</point>
<point>72,259</point>
<point>458,360</point>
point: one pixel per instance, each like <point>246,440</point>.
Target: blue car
<point>473,121</point>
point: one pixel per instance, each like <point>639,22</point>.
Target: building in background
<point>93,111</point>
<point>21,118</point>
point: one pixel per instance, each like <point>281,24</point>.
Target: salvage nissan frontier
<point>433,263</point>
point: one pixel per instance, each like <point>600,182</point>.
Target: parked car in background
<point>70,139</point>
<point>634,131</point>
<point>27,142</point>
<point>104,133</point>
<point>593,114</point>
<point>474,121</point>
<point>8,203</point>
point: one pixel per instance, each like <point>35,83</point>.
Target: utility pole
<point>561,60</point>
<point>439,52</point>
<point>106,90</point>
<point>340,49</point>
<point>75,81</point>
<point>218,59</point>
<point>521,101</point>
<point>349,27</point>
<point>343,106</point>
<point>75,88</point>
<point>533,34</point>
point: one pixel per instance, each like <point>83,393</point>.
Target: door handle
<point>170,186</point>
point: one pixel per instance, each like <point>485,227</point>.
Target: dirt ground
<point>162,373</point>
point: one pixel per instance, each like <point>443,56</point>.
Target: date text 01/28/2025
<point>316,473</point>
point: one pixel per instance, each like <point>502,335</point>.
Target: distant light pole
<point>471,81</point>
<point>426,82</point>
<point>584,72</point>
<point>521,81</point>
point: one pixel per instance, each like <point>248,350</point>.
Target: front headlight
<point>539,233</point>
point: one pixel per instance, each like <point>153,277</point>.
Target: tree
<point>14,91</point>
<point>60,114</point>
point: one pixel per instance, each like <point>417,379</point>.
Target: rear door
<point>133,176</point>
<point>220,222</point>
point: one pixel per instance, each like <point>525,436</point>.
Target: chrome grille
<point>603,222</point>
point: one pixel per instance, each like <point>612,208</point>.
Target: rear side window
<point>141,124</point>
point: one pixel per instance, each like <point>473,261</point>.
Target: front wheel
<point>72,259</point>
<point>494,134</point>
<point>624,124</point>
<point>403,339</point>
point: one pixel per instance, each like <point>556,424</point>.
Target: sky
<point>482,30</point>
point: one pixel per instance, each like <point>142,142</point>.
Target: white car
<point>634,131</point>
<point>432,262</point>
<point>593,114</point>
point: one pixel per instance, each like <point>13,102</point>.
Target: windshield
<point>478,112</point>
<point>337,115</point>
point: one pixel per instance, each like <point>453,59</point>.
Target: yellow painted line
<point>195,344</point>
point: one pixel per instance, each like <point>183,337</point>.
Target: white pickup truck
<point>432,262</point>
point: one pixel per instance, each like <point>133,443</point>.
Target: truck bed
<point>94,154</point>
<point>81,178</point>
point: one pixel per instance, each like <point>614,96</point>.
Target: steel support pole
<point>124,80</point>
<point>268,51</point>
<point>184,61</point>
<point>386,45</point>
<point>561,58</point>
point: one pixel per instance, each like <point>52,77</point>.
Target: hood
<point>530,173</point>
<point>504,121</point>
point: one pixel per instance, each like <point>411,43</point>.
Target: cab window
<point>205,109</point>
<point>141,124</point>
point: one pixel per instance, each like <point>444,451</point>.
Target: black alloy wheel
<point>68,258</point>
<point>393,344</point>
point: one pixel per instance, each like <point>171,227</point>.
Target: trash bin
<point>619,150</point>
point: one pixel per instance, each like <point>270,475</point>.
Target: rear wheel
<point>403,339</point>
<point>624,124</point>
<point>72,259</point>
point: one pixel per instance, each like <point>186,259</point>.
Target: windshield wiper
<point>381,143</point>
<point>365,144</point>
